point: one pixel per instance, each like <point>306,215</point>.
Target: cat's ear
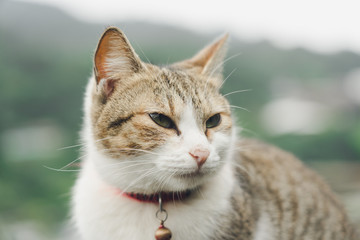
<point>211,58</point>
<point>114,60</point>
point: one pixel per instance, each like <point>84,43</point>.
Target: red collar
<point>154,198</point>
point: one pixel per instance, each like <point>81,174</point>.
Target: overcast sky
<point>321,25</point>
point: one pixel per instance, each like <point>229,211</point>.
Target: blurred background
<point>298,62</point>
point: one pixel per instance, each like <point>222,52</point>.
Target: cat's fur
<point>244,190</point>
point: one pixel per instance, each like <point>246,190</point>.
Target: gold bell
<point>162,233</point>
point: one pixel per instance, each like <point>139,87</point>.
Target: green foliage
<point>31,191</point>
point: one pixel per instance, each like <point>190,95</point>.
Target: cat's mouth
<point>195,174</point>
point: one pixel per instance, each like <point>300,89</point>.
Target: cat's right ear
<point>210,59</point>
<point>114,60</point>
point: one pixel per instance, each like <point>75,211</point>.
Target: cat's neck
<point>222,182</point>
<point>98,199</point>
<point>155,197</point>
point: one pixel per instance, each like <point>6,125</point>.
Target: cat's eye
<point>213,121</point>
<point>162,120</point>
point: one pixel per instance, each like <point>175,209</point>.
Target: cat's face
<point>158,129</point>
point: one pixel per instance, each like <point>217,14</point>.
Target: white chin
<point>184,182</point>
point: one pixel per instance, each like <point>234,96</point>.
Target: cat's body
<point>149,130</point>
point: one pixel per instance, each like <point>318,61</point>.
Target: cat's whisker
<point>218,66</point>
<point>138,45</point>
<point>151,171</point>
<point>137,171</point>
<point>159,180</point>
<point>136,180</point>
<point>221,64</point>
<point>134,161</point>
<point>225,108</point>
<point>82,145</point>
<point>163,179</point>
<point>238,107</point>
<point>249,131</point>
<point>71,146</point>
<point>72,162</point>
<point>238,91</point>
<point>124,161</point>
<point>228,76</point>
<point>105,138</point>
<point>238,165</point>
<point>148,60</point>
<point>177,192</point>
<point>61,170</point>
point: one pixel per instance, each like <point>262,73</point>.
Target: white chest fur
<point>102,213</point>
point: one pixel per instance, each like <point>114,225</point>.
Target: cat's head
<point>157,128</point>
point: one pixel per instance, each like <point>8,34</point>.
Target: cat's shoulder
<point>267,161</point>
<point>278,178</point>
<point>257,151</point>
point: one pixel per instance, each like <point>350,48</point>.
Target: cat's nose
<point>200,155</point>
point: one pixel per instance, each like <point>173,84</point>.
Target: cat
<point>166,132</point>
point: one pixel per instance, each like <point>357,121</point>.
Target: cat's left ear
<point>211,58</point>
<point>115,60</point>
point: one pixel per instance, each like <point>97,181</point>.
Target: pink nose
<point>200,155</point>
